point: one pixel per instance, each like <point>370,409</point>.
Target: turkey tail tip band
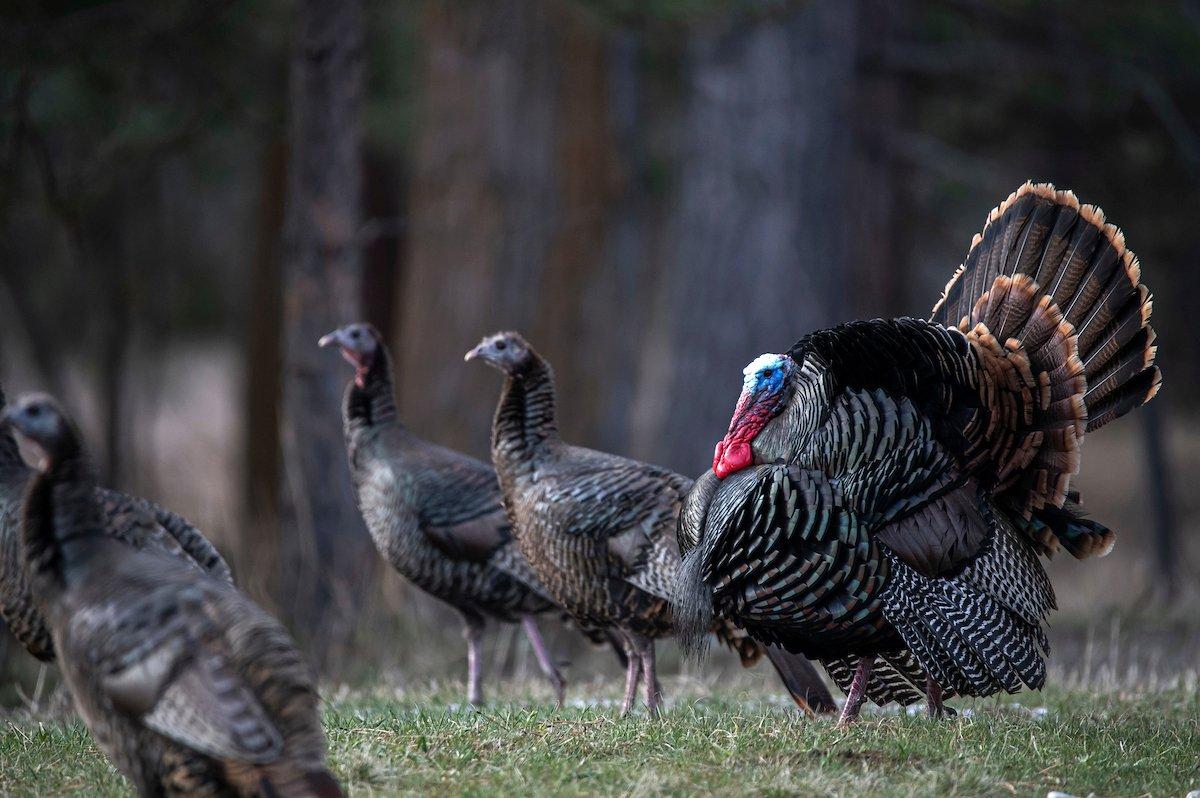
<point>1050,288</point>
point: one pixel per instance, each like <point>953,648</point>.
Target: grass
<point>732,742</point>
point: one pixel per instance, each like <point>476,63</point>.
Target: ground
<point>1119,743</point>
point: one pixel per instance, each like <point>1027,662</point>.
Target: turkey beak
<point>477,352</point>
<point>329,339</point>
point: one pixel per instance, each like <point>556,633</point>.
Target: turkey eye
<point>35,411</point>
<point>501,346</point>
<point>767,374</point>
<point>354,333</point>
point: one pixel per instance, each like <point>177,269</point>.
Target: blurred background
<point>654,192</point>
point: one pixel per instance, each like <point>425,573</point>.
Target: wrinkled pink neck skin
<point>734,452</point>
<point>362,362</point>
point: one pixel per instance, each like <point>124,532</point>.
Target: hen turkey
<point>599,529</point>
<point>886,487</point>
<point>187,686</point>
<point>135,521</point>
<point>435,515</point>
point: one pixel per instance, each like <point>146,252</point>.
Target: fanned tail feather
<point>1051,289</point>
<point>1081,537</point>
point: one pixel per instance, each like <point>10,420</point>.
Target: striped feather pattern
<point>935,456</point>
<point>600,530</point>
<point>186,685</point>
<point>897,676</point>
<point>138,522</point>
<point>434,514</point>
<point>596,528</point>
<point>1052,282</point>
<point>784,555</point>
<point>783,552</point>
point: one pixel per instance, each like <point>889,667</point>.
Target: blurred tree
<point>325,544</point>
<point>784,199</point>
<point>517,176</point>
<point>532,176</point>
<point>264,384</point>
<point>101,100</point>
<point>1100,98</point>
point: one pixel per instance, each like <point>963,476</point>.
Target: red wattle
<point>731,457</point>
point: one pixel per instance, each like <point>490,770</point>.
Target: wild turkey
<point>599,529</point>
<point>435,515</point>
<point>910,472</point>
<point>138,522</point>
<point>187,686</point>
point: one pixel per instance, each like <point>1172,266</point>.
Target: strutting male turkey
<point>599,529</point>
<point>187,686</point>
<point>435,514</point>
<point>135,521</point>
<point>886,487</point>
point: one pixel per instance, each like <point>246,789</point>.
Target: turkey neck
<point>524,426</point>
<point>370,399</point>
<point>782,436</point>
<point>61,520</point>
<point>790,433</point>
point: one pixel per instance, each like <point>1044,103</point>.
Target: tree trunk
<point>517,176</point>
<point>1160,491</point>
<point>263,385</point>
<point>771,219</point>
<point>322,278</point>
<point>384,188</point>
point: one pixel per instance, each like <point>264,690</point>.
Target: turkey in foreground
<point>135,521</point>
<point>435,515</point>
<point>886,487</point>
<point>187,686</point>
<point>599,529</point>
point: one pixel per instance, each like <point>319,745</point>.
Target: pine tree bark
<point>533,208</point>
<point>777,211</point>
<point>517,176</point>
<point>323,534</point>
<point>263,361</point>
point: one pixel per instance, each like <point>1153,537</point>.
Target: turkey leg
<point>474,635</point>
<point>632,673</point>
<point>858,691</point>
<point>545,661</point>
<point>650,675</point>
<point>933,698</point>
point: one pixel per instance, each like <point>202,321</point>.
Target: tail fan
<point>1051,287</point>
<point>801,679</point>
<point>1081,537</point>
